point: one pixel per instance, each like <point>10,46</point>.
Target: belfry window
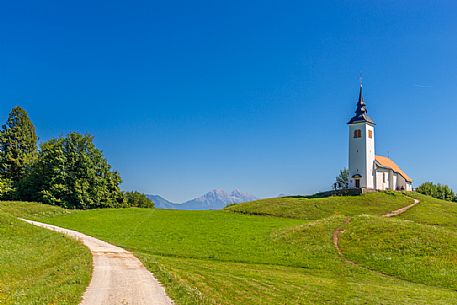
<point>370,134</point>
<point>357,133</point>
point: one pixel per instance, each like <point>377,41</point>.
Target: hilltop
<point>318,208</point>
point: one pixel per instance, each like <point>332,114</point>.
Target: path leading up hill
<point>118,276</point>
<point>402,210</point>
<point>340,230</point>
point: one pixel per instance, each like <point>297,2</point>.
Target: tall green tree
<point>71,172</point>
<point>18,146</point>
<point>342,180</point>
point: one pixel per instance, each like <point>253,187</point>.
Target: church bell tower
<point>361,147</point>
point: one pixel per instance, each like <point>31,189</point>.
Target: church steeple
<point>361,147</point>
<point>361,111</point>
<point>361,106</point>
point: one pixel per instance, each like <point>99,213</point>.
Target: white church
<point>366,170</point>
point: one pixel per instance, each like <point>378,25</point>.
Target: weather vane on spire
<point>360,78</point>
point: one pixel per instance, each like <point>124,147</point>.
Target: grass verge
<point>38,266</point>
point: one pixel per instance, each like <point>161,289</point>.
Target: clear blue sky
<point>186,96</point>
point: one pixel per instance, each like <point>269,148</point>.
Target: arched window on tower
<point>357,133</point>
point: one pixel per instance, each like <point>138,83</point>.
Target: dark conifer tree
<point>18,147</point>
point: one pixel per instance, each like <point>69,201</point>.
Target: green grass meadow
<point>40,267</point>
<point>280,251</point>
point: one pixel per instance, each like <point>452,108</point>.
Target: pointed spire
<point>361,106</point>
<point>361,111</point>
<point>360,92</point>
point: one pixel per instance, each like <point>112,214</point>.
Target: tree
<point>18,146</point>
<point>342,180</point>
<point>427,188</point>
<point>139,200</point>
<point>71,172</point>
<point>440,191</point>
<point>445,192</point>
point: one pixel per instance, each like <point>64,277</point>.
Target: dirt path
<point>336,241</point>
<point>340,230</point>
<point>118,276</point>
<point>402,210</point>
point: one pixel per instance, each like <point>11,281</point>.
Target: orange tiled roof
<point>386,162</point>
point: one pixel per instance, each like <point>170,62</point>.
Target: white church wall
<point>370,149</point>
<point>356,153</point>
<point>391,180</point>
<point>362,154</point>
<point>382,179</point>
<point>403,184</point>
<point>387,179</point>
<point>395,181</point>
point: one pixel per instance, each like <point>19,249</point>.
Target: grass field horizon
<point>280,250</point>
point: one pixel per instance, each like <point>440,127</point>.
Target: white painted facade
<point>361,155</point>
<point>382,179</point>
<point>366,170</point>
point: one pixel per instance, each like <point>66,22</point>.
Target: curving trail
<point>339,230</point>
<point>118,277</point>
<point>402,210</point>
<point>336,241</point>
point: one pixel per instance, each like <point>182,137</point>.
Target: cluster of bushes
<point>67,171</point>
<point>138,200</point>
<point>440,191</point>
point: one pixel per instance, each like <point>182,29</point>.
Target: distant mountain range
<point>214,200</point>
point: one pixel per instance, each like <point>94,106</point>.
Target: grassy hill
<point>280,251</point>
<point>38,266</point>
<point>318,208</point>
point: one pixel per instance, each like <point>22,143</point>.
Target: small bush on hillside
<point>439,191</point>
<point>139,200</point>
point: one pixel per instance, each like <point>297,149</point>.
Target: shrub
<point>439,191</point>
<point>139,200</point>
